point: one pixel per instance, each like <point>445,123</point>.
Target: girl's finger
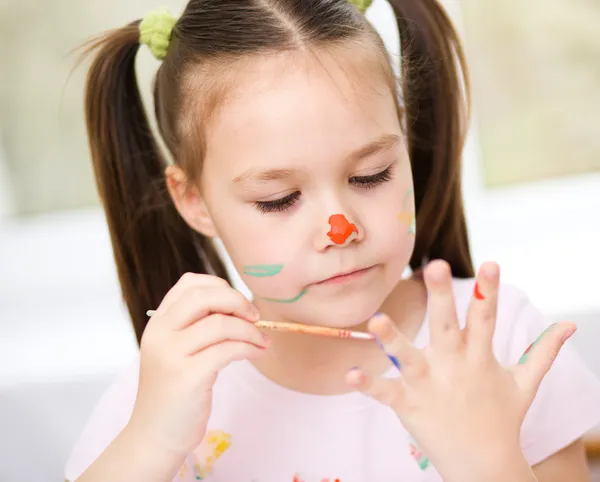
<point>481,317</point>
<point>187,281</point>
<point>445,332</point>
<point>539,357</point>
<point>197,302</point>
<point>396,346</point>
<point>217,328</point>
<point>385,390</point>
<point>217,357</point>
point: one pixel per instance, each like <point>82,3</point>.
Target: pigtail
<point>152,245</point>
<point>436,90</point>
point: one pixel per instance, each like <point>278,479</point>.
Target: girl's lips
<point>344,277</point>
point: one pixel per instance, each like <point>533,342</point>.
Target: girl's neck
<point>315,364</point>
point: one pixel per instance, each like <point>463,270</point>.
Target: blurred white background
<point>64,333</point>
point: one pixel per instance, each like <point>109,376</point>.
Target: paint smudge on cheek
<point>267,270</point>
<point>262,270</point>
<point>406,198</point>
<point>341,229</point>
<point>409,220</point>
<point>408,217</point>
<point>284,300</point>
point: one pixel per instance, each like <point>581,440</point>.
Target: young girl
<point>293,143</point>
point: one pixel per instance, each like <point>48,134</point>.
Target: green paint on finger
<point>262,270</point>
<point>525,355</point>
<point>284,300</point>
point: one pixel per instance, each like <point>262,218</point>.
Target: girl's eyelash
<point>369,182</point>
<point>284,203</point>
<point>277,205</point>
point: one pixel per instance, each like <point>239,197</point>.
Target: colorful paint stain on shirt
<point>262,270</point>
<point>299,478</point>
<point>416,454</point>
<point>215,443</point>
<point>341,229</point>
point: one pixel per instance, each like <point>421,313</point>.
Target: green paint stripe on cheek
<point>262,270</point>
<point>413,227</point>
<point>406,197</point>
<point>283,300</point>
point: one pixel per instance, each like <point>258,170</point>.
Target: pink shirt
<point>261,432</point>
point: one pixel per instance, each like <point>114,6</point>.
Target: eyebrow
<point>384,143</point>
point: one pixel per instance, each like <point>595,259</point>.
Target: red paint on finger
<point>478,295</point>
<point>341,228</point>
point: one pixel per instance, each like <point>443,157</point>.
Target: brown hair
<point>153,246</point>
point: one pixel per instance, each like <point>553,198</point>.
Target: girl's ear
<point>189,202</point>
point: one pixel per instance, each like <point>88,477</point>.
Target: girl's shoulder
<point>110,415</point>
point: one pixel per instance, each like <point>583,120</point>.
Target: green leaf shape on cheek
<point>262,270</point>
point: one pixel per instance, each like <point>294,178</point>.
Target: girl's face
<point>298,142</point>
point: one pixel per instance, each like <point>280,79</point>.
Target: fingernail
<point>569,333</point>
<point>359,379</point>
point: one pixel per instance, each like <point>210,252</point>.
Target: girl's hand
<point>462,407</point>
<point>201,326</point>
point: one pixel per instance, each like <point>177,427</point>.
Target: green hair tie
<point>361,5</point>
<point>155,31</point>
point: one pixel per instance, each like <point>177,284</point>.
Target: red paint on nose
<point>341,229</point>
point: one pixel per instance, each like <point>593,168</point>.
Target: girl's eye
<point>277,205</point>
<point>369,182</point>
<point>284,203</point>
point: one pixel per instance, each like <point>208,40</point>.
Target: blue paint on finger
<point>392,358</point>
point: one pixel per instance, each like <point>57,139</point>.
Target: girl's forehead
<point>287,112</point>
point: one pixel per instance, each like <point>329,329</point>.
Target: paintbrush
<point>307,329</point>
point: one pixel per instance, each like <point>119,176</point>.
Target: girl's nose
<point>341,230</point>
